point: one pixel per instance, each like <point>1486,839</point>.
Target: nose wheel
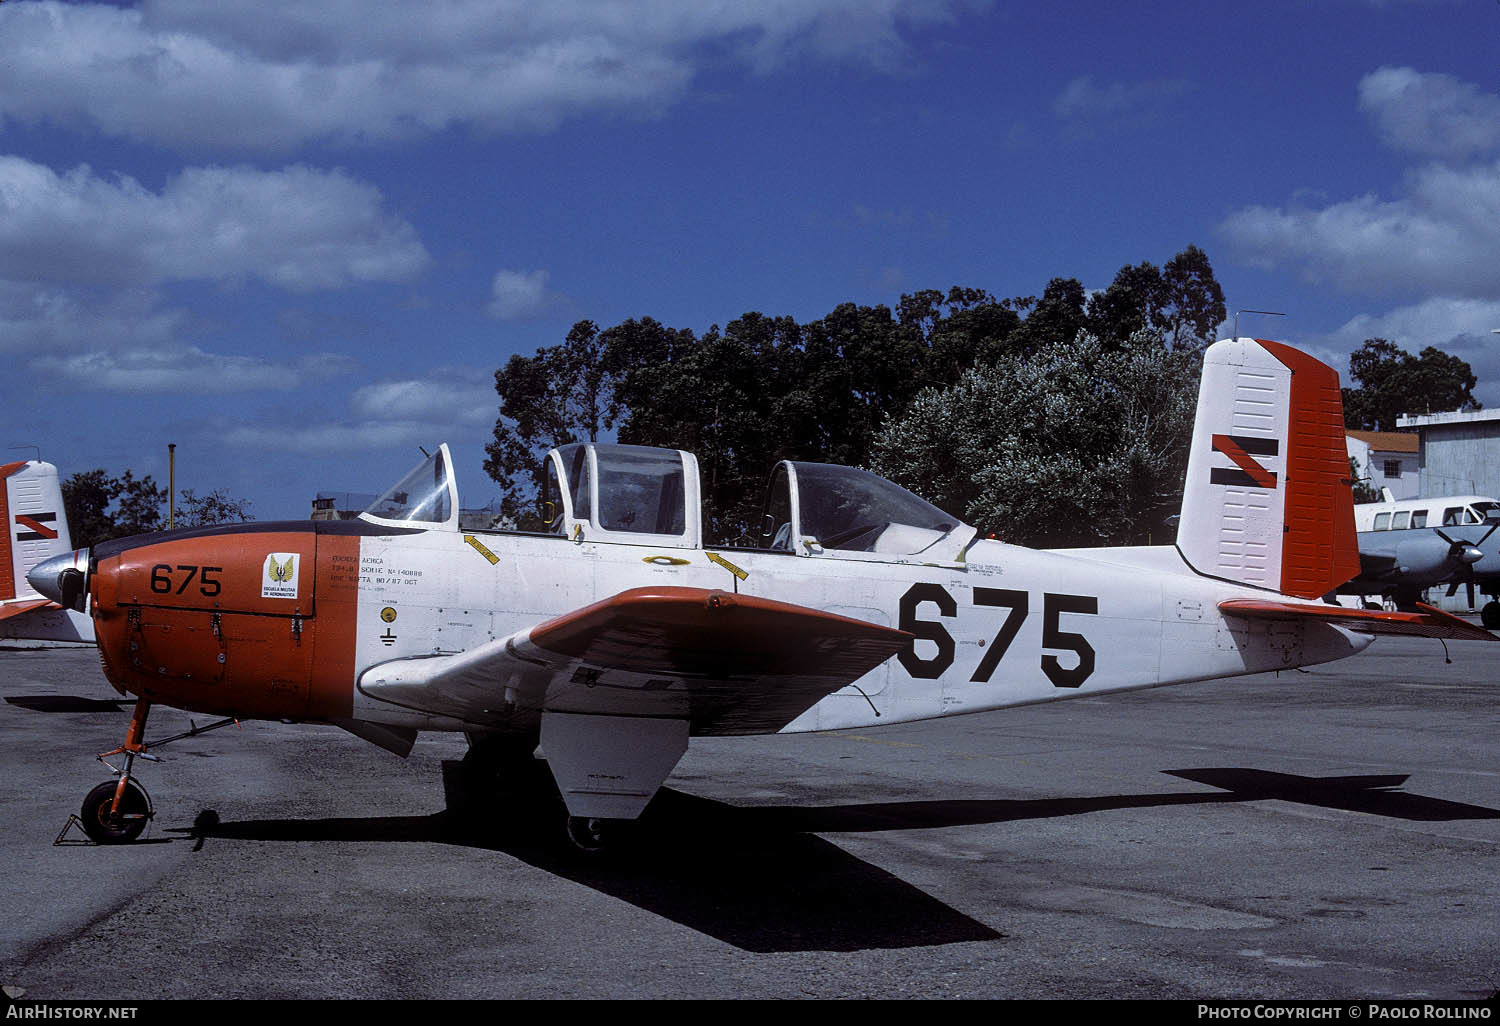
<point>116,811</point>
<point>108,821</point>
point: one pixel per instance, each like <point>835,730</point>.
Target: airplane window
<point>1401,521</point>
<point>640,490</point>
<point>776,523</point>
<point>1382,521</point>
<point>1470,517</point>
<point>575,460</point>
<point>552,507</point>
<point>857,511</point>
<point>1419,518</point>
<point>1487,510</point>
<point>422,495</point>
<point>1452,516</point>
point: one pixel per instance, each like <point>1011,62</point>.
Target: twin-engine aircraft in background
<point>36,530</point>
<point>617,636</point>
<point>1409,545</point>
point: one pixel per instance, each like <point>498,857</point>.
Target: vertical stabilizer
<point>1268,500</point>
<point>36,526</point>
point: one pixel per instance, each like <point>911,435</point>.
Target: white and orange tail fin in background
<point>36,529</point>
<point>1268,501</point>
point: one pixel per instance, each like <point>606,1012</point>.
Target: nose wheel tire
<point>118,828</point>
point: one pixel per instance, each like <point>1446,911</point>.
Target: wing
<point>726,663</point>
<point>1426,622</point>
<point>10,609</point>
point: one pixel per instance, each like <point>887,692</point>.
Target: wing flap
<point>728,663</point>
<point>1426,622</point>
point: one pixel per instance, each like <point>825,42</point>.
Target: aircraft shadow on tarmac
<point>64,703</point>
<point>762,880</point>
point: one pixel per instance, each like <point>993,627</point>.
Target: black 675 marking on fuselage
<point>162,579</point>
<point>1054,638</point>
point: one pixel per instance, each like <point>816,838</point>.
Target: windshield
<point>422,495</point>
<point>855,510</point>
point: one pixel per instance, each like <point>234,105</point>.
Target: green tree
<point>1393,382</point>
<point>722,397</point>
<point>1182,301</point>
<point>217,507</point>
<point>562,394</point>
<point>1076,444</point>
<point>101,507</point>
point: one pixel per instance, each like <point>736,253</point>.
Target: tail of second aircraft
<point>36,529</point>
<point>1268,500</point>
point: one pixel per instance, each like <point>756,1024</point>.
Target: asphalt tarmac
<point>1325,834</point>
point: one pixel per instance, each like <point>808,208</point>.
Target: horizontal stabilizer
<point>1426,622</point>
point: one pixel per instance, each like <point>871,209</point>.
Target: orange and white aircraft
<point>618,635</point>
<point>36,530</point>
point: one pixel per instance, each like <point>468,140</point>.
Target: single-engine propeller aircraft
<point>36,530</point>
<point>617,636</point>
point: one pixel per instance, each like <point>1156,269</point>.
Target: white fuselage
<point>1007,626</point>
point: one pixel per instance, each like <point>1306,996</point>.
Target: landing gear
<point>588,834</point>
<point>110,821</point>
<point>116,811</point>
<point>1490,615</point>
<point>502,786</point>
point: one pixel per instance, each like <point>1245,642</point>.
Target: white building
<point>1388,459</point>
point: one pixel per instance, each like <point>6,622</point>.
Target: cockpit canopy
<point>623,493</point>
<point>426,497</point>
<point>824,509</point>
<point>638,494</point>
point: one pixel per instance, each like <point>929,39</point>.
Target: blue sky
<point>297,239</point>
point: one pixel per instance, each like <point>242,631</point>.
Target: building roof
<point>1456,417</point>
<point>1388,441</point>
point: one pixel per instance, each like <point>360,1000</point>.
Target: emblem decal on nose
<point>279,578</point>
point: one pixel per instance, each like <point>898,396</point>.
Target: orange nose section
<point>228,621</point>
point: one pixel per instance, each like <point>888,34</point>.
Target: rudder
<point>1268,500</point>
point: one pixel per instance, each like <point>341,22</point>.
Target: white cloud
<point>445,396</point>
<point>1084,103</point>
<point>523,295</point>
<point>276,74</point>
<point>45,320</point>
<point>1458,327</point>
<point>320,439</point>
<point>1433,322</point>
<point>298,228</point>
<point>448,402</point>
<point>182,369</point>
<point>1431,114</point>
<point>1440,238</point>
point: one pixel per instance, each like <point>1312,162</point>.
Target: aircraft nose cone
<point>60,578</point>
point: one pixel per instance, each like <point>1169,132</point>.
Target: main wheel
<point>1490,615</point>
<point>588,834</point>
<point>126,826</point>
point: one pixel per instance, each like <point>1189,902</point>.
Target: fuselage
<point>281,620</point>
